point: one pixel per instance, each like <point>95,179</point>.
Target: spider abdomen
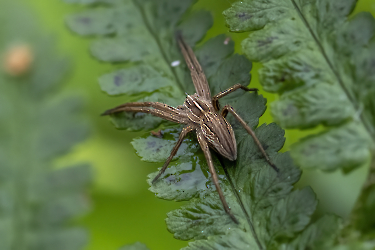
<point>219,134</point>
<point>215,129</point>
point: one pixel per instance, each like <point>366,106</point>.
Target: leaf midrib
<point>240,202</point>
<point>158,42</point>
<point>357,108</point>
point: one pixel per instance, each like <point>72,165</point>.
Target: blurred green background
<point>123,210</point>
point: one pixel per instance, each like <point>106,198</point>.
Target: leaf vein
<point>163,53</point>
<point>336,74</point>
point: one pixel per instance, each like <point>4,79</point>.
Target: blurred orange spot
<point>17,60</point>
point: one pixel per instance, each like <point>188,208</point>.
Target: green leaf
<point>276,212</point>
<point>74,238</point>
<point>330,150</point>
<point>201,218</point>
<point>321,62</point>
<point>195,26</point>
<point>38,124</point>
<point>154,149</point>
<point>254,15</point>
<point>140,34</point>
<point>312,106</point>
<point>189,177</point>
<point>362,218</point>
<point>319,235</point>
<point>98,22</point>
<point>211,54</point>
<point>185,180</point>
<point>135,246</point>
<point>234,239</point>
<point>306,61</point>
<point>55,112</point>
<point>234,69</point>
<point>292,214</point>
<point>133,81</point>
<point>113,49</point>
<point>89,1</point>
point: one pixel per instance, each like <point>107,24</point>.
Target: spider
<point>200,112</point>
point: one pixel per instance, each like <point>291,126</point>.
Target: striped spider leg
<point>200,112</point>
<point>227,108</point>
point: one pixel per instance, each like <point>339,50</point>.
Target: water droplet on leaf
<point>175,63</point>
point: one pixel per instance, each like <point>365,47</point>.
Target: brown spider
<point>200,113</point>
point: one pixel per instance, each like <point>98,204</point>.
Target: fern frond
<point>321,62</point>
<point>141,34</point>
<point>37,124</point>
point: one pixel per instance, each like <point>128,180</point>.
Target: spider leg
<point>231,89</point>
<point>228,91</point>
<point>155,108</point>
<point>251,132</point>
<point>196,71</point>
<point>183,133</point>
<point>206,150</point>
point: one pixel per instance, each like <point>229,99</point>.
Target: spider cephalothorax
<point>214,127</point>
<point>200,112</point>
